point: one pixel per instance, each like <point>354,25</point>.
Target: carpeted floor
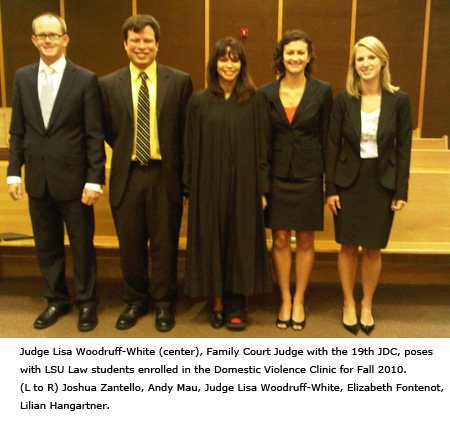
<point>411,311</point>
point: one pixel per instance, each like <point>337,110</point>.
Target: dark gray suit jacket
<point>70,151</point>
<point>297,148</point>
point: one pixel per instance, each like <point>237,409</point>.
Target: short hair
<point>137,23</point>
<point>244,88</point>
<point>353,83</point>
<point>50,15</point>
<point>288,37</point>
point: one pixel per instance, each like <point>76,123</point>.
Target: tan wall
<point>189,28</point>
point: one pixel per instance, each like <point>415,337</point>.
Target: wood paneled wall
<point>401,29</point>
<point>182,39</point>
<point>328,23</point>
<point>18,50</point>
<point>228,17</point>
<point>95,30</point>
<point>189,27</point>
<point>436,118</point>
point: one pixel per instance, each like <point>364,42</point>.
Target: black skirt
<point>365,217</point>
<point>295,204</point>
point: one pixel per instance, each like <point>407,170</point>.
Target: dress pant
<point>48,217</point>
<point>145,213</point>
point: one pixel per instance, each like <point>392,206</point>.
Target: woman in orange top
<point>299,110</point>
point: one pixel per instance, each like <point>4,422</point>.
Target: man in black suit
<point>144,110</point>
<point>56,131</point>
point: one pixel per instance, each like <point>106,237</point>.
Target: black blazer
<point>70,152</point>
<point>297,147</point>
<point>173,91</point>
<point>394,137</point>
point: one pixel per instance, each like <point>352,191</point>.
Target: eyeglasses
<point>51,37</point>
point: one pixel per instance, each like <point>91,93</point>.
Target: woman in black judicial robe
<point>225,176</point>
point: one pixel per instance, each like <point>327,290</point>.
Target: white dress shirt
<point>369,127</point>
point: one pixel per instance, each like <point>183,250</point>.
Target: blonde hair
<point>353,83</point>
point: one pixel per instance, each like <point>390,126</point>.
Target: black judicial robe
<point>225,174</point>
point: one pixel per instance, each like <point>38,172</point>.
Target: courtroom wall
<point>416,33</point>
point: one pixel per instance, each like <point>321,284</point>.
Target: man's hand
<point>15,191</point>
<point>89,197</point>
<point>397,205</point>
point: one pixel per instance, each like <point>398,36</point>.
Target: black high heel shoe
<point>367,329</point>
<point>287,323</point>
<point>279,322</point>
<point>351,328</point>
<point>301,324</point>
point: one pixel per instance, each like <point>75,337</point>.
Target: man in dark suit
<point>56,131</point>
<point>144,110</point>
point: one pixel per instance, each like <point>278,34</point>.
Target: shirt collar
<point>150,71</point>
<point>57,66</point>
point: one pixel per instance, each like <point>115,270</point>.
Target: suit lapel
<point>274,94</point>
<point>125,89</point>
<point>161,87</point>
<point>307,95</point>
<point>386,112</point>
<point>354,111</point>
<point>310,87</point>
<point>34,95</point>
<point>64,88</point>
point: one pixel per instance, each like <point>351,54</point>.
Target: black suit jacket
<point>70,152</point>
<point>173,91</point>
<point>297,147</point>
<point>394,136</point>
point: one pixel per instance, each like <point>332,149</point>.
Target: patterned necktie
<point>47,95</point>
<point>143,122</point>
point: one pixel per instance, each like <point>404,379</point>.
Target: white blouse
<point>369,127</point>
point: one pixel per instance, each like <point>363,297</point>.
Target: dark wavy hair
<point>288,37</point>
<point>244,88</point>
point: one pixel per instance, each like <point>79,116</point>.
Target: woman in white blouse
<point>367,171</point>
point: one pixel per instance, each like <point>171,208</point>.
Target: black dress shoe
<point>129,317</point>
<point>87,320</point>
<point>367,329</point>
<point>216,319</point>
<point>165,319</point>
<point>51,315</point>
